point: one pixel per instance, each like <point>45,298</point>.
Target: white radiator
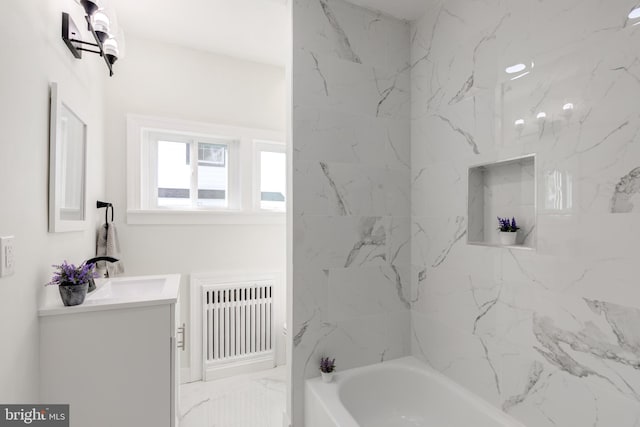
<point>237,325</point>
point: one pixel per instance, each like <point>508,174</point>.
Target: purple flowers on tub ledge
<point>327,365</point>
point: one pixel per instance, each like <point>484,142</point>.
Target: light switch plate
<point>7,256</point>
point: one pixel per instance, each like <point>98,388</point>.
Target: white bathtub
<point>397,393</point>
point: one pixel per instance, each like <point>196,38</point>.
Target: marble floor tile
<point>249,400</point>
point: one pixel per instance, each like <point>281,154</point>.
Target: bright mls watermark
<point>35,415</point>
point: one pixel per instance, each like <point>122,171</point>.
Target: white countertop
<point>122,292</point>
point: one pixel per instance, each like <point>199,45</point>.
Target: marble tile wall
<point>551,336</point>
<point>351,189</point>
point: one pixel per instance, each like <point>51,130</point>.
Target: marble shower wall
<point>351,188</point>
<point>551,336</point>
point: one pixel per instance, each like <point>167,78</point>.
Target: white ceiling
<point>402,9</point>
<point>255,30</point>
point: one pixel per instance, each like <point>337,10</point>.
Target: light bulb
<point>101,25</point>
<point>111,50</point>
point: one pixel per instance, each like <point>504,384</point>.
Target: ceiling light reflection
<point>515,68</point>
<point>520,75</point>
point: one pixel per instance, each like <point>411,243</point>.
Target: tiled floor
<point>249,400</point>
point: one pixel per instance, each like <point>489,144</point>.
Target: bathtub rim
<point>328,395</point>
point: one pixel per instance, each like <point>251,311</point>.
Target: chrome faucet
<point>92,283</point>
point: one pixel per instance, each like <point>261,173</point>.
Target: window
<point>272,166</point>
<point>181,172</point>
<point>187,184</point>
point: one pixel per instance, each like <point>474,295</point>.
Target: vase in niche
<point>508,238</point>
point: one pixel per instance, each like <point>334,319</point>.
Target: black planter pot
<point>73,294</point>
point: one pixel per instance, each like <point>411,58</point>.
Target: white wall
<point>170,81</point>
<point>351,260</point>
<point>33,54</point>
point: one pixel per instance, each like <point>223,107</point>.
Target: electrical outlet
<point>7,256</point>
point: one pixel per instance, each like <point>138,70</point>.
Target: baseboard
<point>185,376</point>
<point>238,368</point>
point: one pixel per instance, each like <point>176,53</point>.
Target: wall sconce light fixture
<point>101,26</point>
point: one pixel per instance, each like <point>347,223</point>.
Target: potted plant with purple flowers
<point>72,281</point>
<point>508,231</point>
<point>327,368</point>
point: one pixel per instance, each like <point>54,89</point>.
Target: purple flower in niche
<point>506,225</point>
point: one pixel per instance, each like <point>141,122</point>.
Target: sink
<point>122,292</point>
<point>129,288</point>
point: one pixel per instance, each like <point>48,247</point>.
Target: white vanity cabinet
<point>113,358</point>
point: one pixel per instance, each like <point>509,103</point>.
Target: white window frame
<point>241,209</point>
<point>258,147</point>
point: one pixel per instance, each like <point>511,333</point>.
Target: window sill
<point>202,217</point>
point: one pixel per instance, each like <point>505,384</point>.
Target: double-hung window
<point>183,172</point>
<point>191,172</point>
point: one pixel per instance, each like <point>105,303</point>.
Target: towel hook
<point>100,204</point>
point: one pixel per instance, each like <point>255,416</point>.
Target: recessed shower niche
<point>502,189</point>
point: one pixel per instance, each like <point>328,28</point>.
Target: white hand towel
<point>109,245</point>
